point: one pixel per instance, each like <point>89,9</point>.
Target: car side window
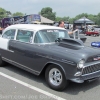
<point>24,36</point>
<point>37,38</point>
<point>9,34</point>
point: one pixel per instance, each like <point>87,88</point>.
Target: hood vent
<point>71,43</point>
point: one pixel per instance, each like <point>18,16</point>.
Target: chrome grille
<point>91,69</point>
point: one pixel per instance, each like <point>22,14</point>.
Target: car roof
<point>32,27</point>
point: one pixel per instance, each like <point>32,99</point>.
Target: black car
<point>49,50</point>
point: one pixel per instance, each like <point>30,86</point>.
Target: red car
<point>94,33</point>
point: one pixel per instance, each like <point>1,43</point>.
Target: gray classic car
<point>49,50</point>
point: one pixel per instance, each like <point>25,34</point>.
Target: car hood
<point>72,52</point>
<point>84,50</point>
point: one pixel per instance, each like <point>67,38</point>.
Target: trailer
<point>27,19</point>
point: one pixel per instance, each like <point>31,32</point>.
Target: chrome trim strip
<point>45,43</point>
<point>7,50</point>
<point>10,50</point>
<point>62,60</point>
<point>77,80</point>
<point>20,65</point>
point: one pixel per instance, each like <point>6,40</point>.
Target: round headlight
<point>80,64</point>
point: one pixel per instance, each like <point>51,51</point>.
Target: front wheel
<point>55,78</point>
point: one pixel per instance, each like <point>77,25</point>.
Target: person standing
<point>61,24</point>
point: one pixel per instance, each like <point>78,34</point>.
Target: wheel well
<point>47,65</point>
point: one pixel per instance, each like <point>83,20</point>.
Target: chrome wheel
<point>55,76</point>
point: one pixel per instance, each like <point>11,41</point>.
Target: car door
<point>24,51</point>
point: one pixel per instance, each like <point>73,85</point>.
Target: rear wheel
<point>55,78</point>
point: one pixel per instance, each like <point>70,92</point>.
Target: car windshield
<point>50,35</point>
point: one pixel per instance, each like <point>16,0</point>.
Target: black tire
<point>63,83</point>
<point>94,35</point>
<point>2,63</point>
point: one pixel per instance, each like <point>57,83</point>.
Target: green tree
<point>47,12</point>
<point>4,13</point>
<point>71,20</point>
<point>58,19</point>
<point>97,19</point>
<point>65,19</point>
<point>8,13</point>
<point>89,16</point>
<point>18,14</point>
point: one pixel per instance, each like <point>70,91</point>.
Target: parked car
<point>95,44</point>
<point>94,33</point>
<point>49,50</point>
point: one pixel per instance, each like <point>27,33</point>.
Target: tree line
<point>48,13</point>
<point>5,13</point>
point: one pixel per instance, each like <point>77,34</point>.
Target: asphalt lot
<point>17,84</point>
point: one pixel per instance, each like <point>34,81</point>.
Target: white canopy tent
<point>84,20</point>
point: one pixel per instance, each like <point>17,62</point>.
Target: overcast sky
<point>62,8</point>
